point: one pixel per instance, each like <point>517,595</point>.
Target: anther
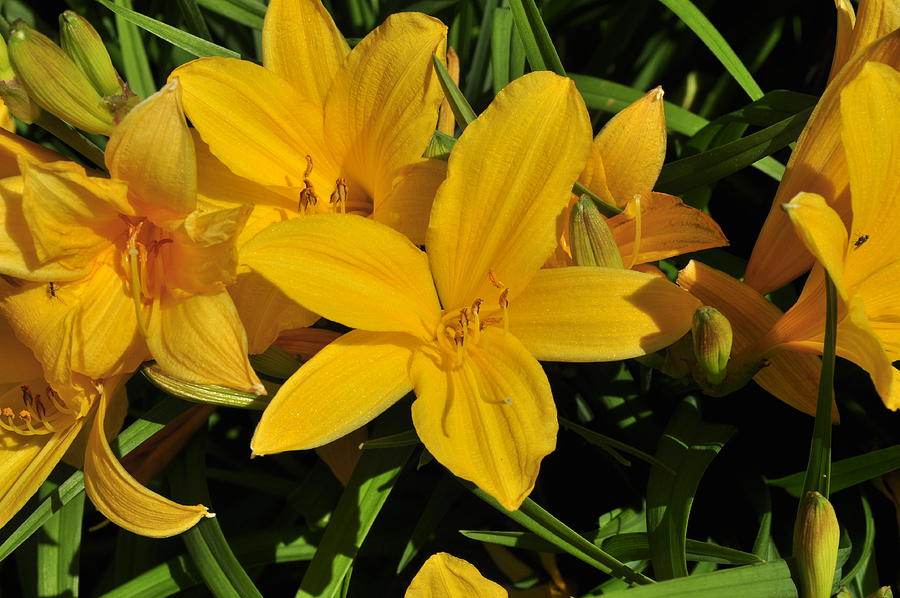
<point>339,195</point>
<point>493,278</point>
<point>308,195</point>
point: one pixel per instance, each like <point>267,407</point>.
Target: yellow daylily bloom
<point>863,259</point>
<point>626,158</point>
<point>862,263</point>
<point>817,165</point>
<point>465,324</point>
<point>41,424</point>
<point>445,576</point>
<point>114,271</point>
<point>341,130</point>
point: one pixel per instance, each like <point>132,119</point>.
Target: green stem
<point>818,471</point>
<point>72,138</point>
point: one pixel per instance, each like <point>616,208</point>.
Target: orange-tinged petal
<point>18,256</point>
<point>881,295</point>
<point>445,576</point>
<point>255,122</point>
<point>491,420</point>
<point>822,232</point>
<point>633,147</point>
<point>594,175</point>
<point>349,269</point>
<point>509,177</point>
<point>86,326</point>
<point>306,342</point>
<point>791,378</point>
<point>669,227</point>
<point>586,313</point>
<point>817,165</point>
<point>12,146</point>
<point>200,338</point>
<point>265,311</point>
<point>301,43</point>
<point>407,207</point>
<point>383,105</point>
<point>28,460</point>
<point>876,18</point>
<point>871,135</point>
<point>122,499</point>
<point>152,150</point>
<point>846,19</point>
<point>347,384</point>
<point>72,217</point>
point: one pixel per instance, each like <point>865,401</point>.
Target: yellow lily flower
<point>341,130</point>
<point>114,271</point>
<point>445,576</point>
<point>42,424</point>
<point>465,324</point>
<point>862,263</point>
<point>818,164</point>
<point>626,158</point>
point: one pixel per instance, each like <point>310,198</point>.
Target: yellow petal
<point>794,379</point>
<point>18,361</point>
<point>28,460</point>
<point>881,295</point>
<point>407,206</point>
<point>817,165</point>
<point>162,183</point>
<point>216,183</point>
<point>349,269</point>
<point>347,384</point>
<point>72,217</point>
<point>508,179</point>
<point>445,576</point>
<point>491,420</point>
<point>633,147</point>
<point>876,18</point>
<point>199,338</point>
<point>301,43</point>
<point>871,135</point>
<point>822,232</point>
<point>12,146</point>
<point>255,122</point>
<point>18,256</point>
<point>669,227</point>
<point>599,314</point>
<point>265,311</point>
<point>594,175</point>
<point>846,19</point>
<point>122,499</point>
<point>383,105</point>
<point>87,326</point>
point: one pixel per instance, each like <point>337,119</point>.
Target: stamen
<point>476,386</point>
<point>339,195</point>
<point>60,405</point>
<point>504,306</point>
<point>493,278</point>
<point>637,231</point>
<point>133,257</point>
<point>308,197</point>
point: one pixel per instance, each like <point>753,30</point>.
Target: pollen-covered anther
<point>27,422</point>
<point>340,194</point>
<point>308,197</point>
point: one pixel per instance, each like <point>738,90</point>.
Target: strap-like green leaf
<point>460,106</point>
<point>193,19</point>
<point>765,580</point>
<point>611,445</point>
<point>444,495</point>
<point>539,47</point>
<point>190,43</point>
<point>849,472</point>
<point>700,25</point>
<point>134,56</point>
<point>636,547</point>
<point>245,12</point>
<point>688,446</point>
<point>58,551</point>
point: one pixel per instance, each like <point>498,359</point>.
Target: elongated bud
<point>712,336</point>
<point>591,239</point>
<point>206,394</point>
<point>816,536</point>
<point>13,93</point>
<point>54,82</point>
<point>882,592</point>
<point>83,45</point>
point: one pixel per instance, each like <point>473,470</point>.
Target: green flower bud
<point>83,44</point>
<point>54,82</point>
<point>591,240</point>
<point>882,592</point>
<point>14,95</point>
<point>843,592</point>
<point>816,536</point>
<point>712,343</point>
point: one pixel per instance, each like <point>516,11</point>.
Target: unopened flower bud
<point>83,45</point>
<point>816,536</point>
<point>711,332</point>
<point>590,237</point>
<point>54,82</point>
<point>843,592</point>
<point>12,92</point>
<point>882,592</point>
